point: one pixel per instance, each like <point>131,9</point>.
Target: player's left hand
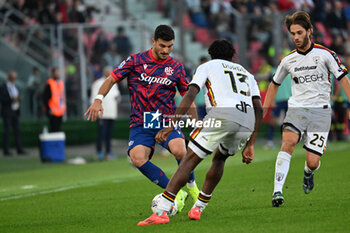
<point>248,154</point>
<point>163,134</point>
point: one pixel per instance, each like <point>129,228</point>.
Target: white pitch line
<point>47,191</point>
<point>65,188</point>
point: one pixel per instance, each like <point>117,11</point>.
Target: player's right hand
<point>93,110</point>
<point>248,154</point>
<point>163,134</point>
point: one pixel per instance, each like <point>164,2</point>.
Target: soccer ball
<point>173,209</point>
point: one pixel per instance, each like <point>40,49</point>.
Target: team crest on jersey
<point>168,70</point>
<point>316,59</point>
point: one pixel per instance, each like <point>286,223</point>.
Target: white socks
<point>281,170</point>
<point>164,204</point>
<point>202,200</point>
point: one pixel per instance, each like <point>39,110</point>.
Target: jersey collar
<point>155,60</point>
<point>307,51</point>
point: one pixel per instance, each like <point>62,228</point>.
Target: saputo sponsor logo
<point>151,79</point>
<point>303,68</point>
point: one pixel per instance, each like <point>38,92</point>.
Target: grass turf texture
<point>113,197</point>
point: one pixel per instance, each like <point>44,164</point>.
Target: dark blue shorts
<point>276,111</point>
<point>141,136</point>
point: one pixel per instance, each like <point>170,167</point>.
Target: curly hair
<point>221,49</point>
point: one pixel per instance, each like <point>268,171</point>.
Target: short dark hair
<point>164,32</point>
<point>221,49</point>
<point>301,18</point>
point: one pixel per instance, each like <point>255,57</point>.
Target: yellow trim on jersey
<point>294,50</point>
<point>210,93</point>
<point>195,133</point>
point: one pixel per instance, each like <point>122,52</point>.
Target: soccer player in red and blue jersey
<point>153,77</point>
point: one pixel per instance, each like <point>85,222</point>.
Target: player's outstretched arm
<point>248,151</point>
<point>96,106</point>
<point>270,96</point>
<point>184,105</point>
<point>192,111</point>
<point>346,85</point>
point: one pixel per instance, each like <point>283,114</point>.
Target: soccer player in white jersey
<point>232,97</point>
<point>309,112</point>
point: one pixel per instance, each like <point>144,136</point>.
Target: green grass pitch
<point>113,197</point>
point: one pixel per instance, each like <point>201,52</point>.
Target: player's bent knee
<point>219,156</point>
<point>312,164</point>
<point>138,162</point>
<point>178,152</point>
<point>288,146</point>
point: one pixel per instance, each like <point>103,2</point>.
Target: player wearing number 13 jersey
<point>230,90</point>
<point>309,113</point>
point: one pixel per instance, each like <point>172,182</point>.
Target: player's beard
<point>304,43</point>
<point>161,56</point>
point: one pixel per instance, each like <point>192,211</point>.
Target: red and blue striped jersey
<point>152,84</point>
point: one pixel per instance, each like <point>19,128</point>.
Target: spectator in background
<point>124,46</point>
<point>338,44</point>
<point>100,47</point>
<point>336,20</point>
<point>304,5</point>
<point>33,86</point>
<point>318,13</point>
<point>111,57</point>
<point>105,122</point>
<point>54,100</point>
<point>10,110</point>
<point>285,5</point>
<point>339,111</point>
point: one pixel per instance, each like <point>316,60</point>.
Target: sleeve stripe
<point>330,51</point>
<point>342,76</point>
<point>278,84</point>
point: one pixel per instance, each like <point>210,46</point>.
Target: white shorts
<point>230,138</point>
<point>312,125</point>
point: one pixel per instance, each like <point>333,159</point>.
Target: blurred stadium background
<point>80,38</point>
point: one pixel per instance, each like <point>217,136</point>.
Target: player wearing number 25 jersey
<point>309,114</point>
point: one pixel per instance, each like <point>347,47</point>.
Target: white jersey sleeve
<point>335,66</point>
<point>200,76</point>
<point>280,74</point>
